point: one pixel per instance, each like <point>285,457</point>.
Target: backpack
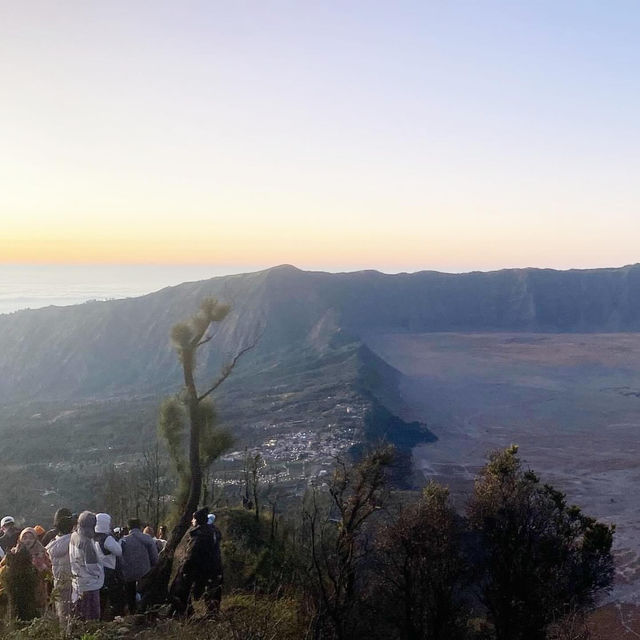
<point>101,538</point>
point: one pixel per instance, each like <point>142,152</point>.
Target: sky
<point>337,134</point>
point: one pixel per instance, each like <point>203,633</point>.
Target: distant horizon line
<point>236,269</point>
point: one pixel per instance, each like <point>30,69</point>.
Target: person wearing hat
<point>58,550</point>
<point>201,571</point>
<point>40,532</point>
<point>61,515</point>
<point>10,533</point>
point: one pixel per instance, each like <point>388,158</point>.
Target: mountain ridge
<point>122,346</point>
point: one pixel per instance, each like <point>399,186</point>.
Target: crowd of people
<point>90,570</point>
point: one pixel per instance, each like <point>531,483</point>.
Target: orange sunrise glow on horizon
<point>395,137</point>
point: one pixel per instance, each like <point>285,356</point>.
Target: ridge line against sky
<point>35,286</point>
<point>400,136</point>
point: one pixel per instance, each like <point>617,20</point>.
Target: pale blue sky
<point>394,135</point>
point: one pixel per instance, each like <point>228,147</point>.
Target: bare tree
<point>419,569</point>
<point>251,466</point>
<point>338,543</point>
<point>256,463</point>
<point>246,474</point>
<point>153,471</point>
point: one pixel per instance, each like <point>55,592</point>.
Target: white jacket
<point>87,573</point>
<point>111,545</point>
<point>58,550</point>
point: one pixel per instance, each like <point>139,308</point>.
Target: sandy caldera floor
<point>570,401</point>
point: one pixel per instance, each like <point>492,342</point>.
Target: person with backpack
<point>112,592</point>
<point>139,554</point>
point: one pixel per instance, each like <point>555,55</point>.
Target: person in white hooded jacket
<point>87,573</point>
<point>112,593</point>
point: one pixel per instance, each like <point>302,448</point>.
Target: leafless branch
<point>207,339</point>
<point>228,368</point>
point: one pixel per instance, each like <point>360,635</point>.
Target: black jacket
<point>202,557</point>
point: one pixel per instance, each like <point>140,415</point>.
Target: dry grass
<point>243,617</point>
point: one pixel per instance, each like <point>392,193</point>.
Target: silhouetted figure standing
<point>200,574</point>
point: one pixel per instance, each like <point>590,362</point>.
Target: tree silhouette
<point>541,557</point>
<point>420,569</point>
<point>188,426</point>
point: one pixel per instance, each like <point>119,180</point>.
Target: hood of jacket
<point>103,523</point>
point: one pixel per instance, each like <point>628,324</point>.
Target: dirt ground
<point>615,621</point>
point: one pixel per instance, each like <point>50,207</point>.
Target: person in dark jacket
<point>201,571</point>
<point>139,554</point>
<point>10,533</point>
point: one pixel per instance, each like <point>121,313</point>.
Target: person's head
<point>28,537</point>
<point>63,521</point>
<point>149,531</point>
<point>40,531</point>
<point>200,516</point>
<point>103,523</point>
<point>211,518</point>
<point>87,524</point>
<point>134,523</point>
<point>7,523</point>
<point>162,532</point>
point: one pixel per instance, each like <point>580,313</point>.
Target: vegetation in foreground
<point>362,561</point>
